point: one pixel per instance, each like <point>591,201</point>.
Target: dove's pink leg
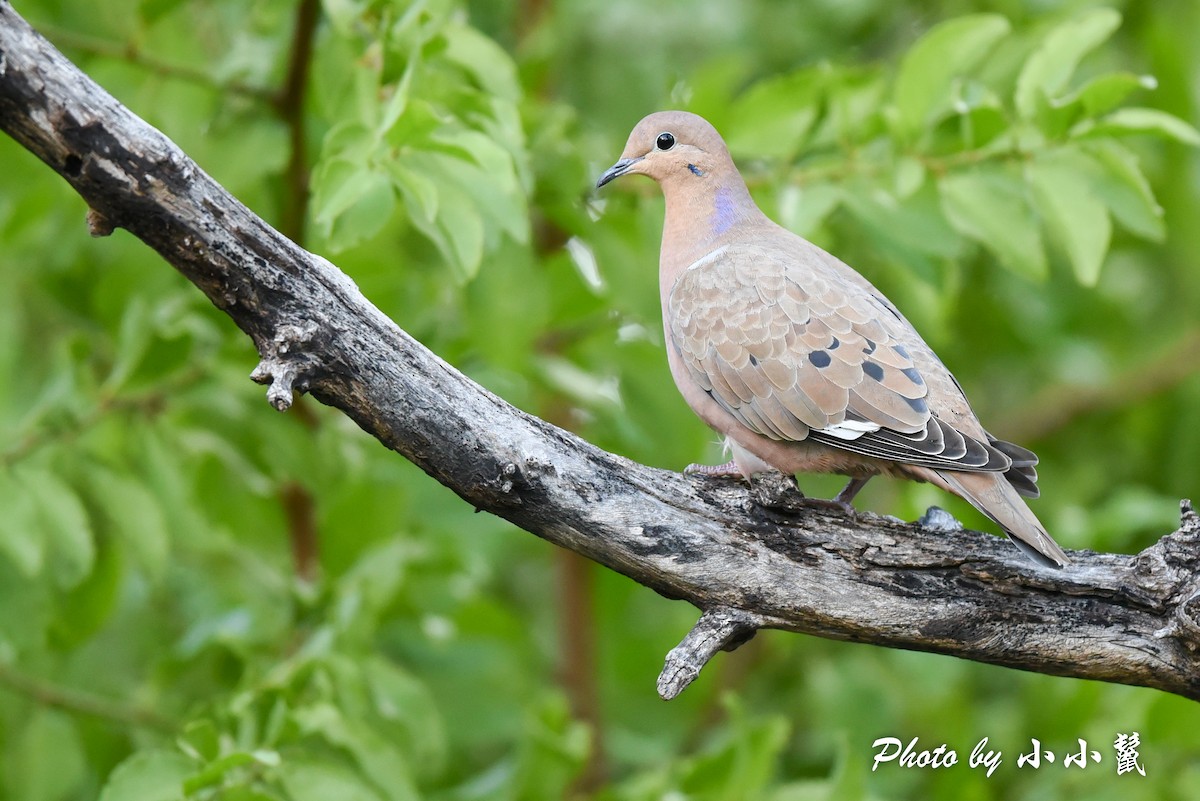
<point>846,496</point>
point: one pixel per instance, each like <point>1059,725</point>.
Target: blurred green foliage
<point>1018,175</point>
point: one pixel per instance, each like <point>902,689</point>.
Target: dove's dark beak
<point>617,170</point>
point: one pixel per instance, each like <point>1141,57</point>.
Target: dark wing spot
<point>918,405</point>
<point>884,303</point>
<point>874,370</point>
<point>834,344</point>
<point>819,358</point>
<point>903,351</point>
<point>753,360</point>
<point>913,375</point>
<point>870,348</point>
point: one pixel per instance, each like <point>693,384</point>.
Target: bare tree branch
<point>749,558</point>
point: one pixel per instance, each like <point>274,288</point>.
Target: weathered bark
<point>749,558</point>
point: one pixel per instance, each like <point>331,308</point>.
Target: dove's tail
<point>993,495</point>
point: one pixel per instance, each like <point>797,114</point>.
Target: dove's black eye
<point>665,141</point>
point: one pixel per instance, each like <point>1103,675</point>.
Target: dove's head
<point>673,147</point>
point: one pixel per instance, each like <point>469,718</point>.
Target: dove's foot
<point>727,470</point>
<point>833,504</point>
<point>842,501</point>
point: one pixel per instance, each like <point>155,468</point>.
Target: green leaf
<point>854,101</point>
<point>1126,121</point>
<point>148,776</point>
<point>349,141</point>
<point>989,205</point>
<point>401,91</point>
<point>370,212</point>
<point>1105,92</point>
<point>462,226</point>
<point>846,780</point>
<point>1123,187</point>
<point>351,202</point>
<point>253,150</point>
<point>243,793</point>
<point>135,517</point>
<point>1054,119</point>
<point>1098,96</point>
<point>165,467</point>
<point>381,764</point>
<point>587,389</point>
<point>365,591</point>
<point>409,713</point>
<point>336,186</point>
<point>491,66</point>
<point>133,340</point>
<point>419,192</point>
<point>803,208</point>
<point>419,122</point>
<point>913,233</point>
<point>27,611</point>
<point>344,14</point>
<point>151,11</point>
<point>743,765</point>
<point>981,126</point>
<point>771,119</point>
<point>488,175</point>
<point>201,740</point>
<point>218,770</point>
<point>21,538</point>
<point>65,523</point>
<point>462,192</point>
<point>909,176</point>
<point>1052,64</point>
<point>46,760</point>
<point>215,772</point>
<point>908,224</point>
<point>197,442</point>
<point>1073,212</point>
<point>554,748</point>
<point>458,230</point>
<point>89,605</point>
<point>323,781</point>
<point>937,59</point>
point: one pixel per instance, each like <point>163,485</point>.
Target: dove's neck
<point>702,216</point>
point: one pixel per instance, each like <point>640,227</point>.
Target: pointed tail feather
<point>993,495</point>
<point>1023,473</point>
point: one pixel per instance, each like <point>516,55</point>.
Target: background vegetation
<point>200,597</point>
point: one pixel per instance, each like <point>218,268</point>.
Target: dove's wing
<point>793,351</point>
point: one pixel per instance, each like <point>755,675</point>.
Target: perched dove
<point>798,360</point>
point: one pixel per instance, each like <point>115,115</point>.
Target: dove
<point>799,362</point>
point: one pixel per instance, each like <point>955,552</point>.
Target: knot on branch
<point>284,363</point>
<point>1175,559</point>
<point>938,519</point>
<point>98,224</point>
<point>1170,570</point>
<point>719,629</point>
<point>779,493</point>
<point>508,472</point>
<point>1188,519</point>
<point>513,481</point>
<point>1186,625</point>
